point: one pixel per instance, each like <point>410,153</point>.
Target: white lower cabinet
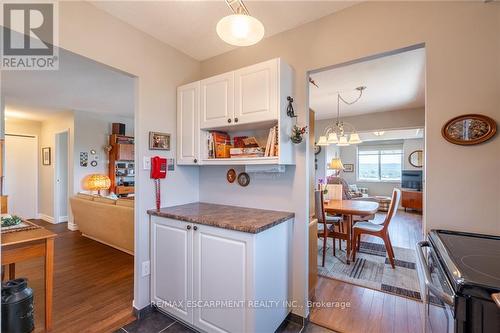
<point>221,280</point>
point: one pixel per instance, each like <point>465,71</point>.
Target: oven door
<point>437,294</point>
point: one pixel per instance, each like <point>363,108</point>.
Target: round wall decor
<point>317,149</point>
<point>416,158</point>
<point>231,175</point>
<point>93,163</point>
<point>243,179</point>
<point>469,129</point>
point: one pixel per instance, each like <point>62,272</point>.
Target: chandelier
<point>341,133</point>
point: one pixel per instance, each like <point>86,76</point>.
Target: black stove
<point>461,281</point>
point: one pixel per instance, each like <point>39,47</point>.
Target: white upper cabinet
<point>256,93</point>
<point>217,101</point>
<point>188,132</point>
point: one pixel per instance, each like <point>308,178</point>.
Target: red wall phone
<point>158,167</point>
<point>158,171</point>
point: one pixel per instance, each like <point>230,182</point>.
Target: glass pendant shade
<point>354,138</point>
<point>322,141</point>
<point>240,30</point>
<point>332,138</point>
<point>343,141</point>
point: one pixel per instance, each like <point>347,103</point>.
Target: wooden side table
<point>24,245</point>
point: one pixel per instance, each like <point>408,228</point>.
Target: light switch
<point>147,163</point>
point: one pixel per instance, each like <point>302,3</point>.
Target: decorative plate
<point>231,175</point>
<point>317,149</point>
<point>243,179</point>
<point>469,129</point>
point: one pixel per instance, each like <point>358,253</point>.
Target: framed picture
<point>46,156</point>
<point>159,141</point>
<point>348,167</point>
<point>469,129</point>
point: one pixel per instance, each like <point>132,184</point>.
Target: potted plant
<point>298,134</point>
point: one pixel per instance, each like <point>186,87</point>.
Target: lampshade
<point>336,164</point>
<point>332,138</point>
<point>322,141</point>
<point>343,141</point>
<point>354,138</point>
<point>97,182</point>
<point>240,30</point>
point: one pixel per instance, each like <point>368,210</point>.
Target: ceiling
<point>394,82</point>
<point>189,26</point>
<point>403,134</point>
<point>79,84</point>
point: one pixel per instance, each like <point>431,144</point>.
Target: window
<point>379,163</point>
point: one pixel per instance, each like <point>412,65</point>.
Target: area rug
<point>372,268</point>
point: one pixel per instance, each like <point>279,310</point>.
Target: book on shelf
<point>246,152</point>
<point>272,146</point>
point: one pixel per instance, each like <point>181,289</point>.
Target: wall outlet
<point>147,163</point>
<point>146,268</point>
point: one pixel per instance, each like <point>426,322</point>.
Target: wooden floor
<point>93,284</point>
<point>372,310</point>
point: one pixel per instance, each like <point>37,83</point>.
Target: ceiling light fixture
<point>341,133</point>
<point>240,29</point>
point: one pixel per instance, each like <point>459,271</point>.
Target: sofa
<point>105,220</point>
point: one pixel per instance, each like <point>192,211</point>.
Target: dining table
<point>349,209</point>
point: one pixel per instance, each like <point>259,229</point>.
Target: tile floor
<point>157,322</point>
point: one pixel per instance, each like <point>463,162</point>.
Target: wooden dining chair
<point>378,230</point>
<point>329,223</point>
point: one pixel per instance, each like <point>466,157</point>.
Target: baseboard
<point>140,313</point>
<point>63,219</point>
<point>47,218</point>
<point>72,227</point>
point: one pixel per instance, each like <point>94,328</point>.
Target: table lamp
<point>97,182</point>
<point>336,164</point>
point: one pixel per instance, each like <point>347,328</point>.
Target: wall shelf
<point>241,161</point>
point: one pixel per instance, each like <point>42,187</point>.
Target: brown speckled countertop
<point>249,220</point>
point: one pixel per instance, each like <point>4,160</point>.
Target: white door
<point>172,266</point>
<point>188,133</point>
<point>217,101</point>
<point>21,175</point>
<point>61,178</point>
<point>220,274</point>
<point>256,93</point>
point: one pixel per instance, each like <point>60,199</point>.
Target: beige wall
<point>462,76</point>
<point>22,126</point>
<point>158,70</point>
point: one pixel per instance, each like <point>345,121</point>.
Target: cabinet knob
<point>229,120</point>
<point>195,228</point>
<point>235,120</point>
<point>195,160</point>
<point>188,227</point>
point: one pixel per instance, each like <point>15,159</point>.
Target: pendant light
<point>342,133</point>
<point>240,29</point>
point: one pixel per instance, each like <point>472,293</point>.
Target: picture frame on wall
<point>46,158</point>
<point>348,167</point>
<point>159,141</point>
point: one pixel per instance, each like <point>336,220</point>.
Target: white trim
<point>72,226</point>
<point>63,219</point>
<point>45,217</point>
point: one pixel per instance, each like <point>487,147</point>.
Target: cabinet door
<point>221,273</point>
<point>172,266</point>
<point>217,101</point>
<point>125,152</point>
<point>188,131</point>
<point>256,93</point>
